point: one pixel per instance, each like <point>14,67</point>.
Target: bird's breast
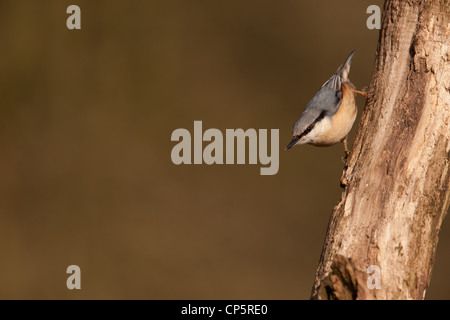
<point>334,129</point>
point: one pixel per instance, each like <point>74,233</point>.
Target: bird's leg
<point>363,92</point>
<point>345,150</point>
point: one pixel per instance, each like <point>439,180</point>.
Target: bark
<point>396,180</point>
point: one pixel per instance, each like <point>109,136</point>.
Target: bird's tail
<point>344,70</point>
<point>341,74</point>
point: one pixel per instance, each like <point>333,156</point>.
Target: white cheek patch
<point>320,129</point>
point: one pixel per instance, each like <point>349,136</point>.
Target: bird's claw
<point>364,91</point>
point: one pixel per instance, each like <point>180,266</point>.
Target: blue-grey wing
<point>326,102</point>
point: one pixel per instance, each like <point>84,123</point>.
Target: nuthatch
<point>329,116</point>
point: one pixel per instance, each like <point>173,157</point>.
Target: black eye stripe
<point>312,125</point>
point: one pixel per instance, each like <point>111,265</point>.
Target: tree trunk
<point>397,177</point>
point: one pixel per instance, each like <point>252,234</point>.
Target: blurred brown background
<point>86,174</point>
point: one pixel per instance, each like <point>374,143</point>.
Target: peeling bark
<point>396,181</point>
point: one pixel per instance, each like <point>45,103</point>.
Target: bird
<point>329,115</point>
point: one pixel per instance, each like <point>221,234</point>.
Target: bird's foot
<point>363,92</point>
